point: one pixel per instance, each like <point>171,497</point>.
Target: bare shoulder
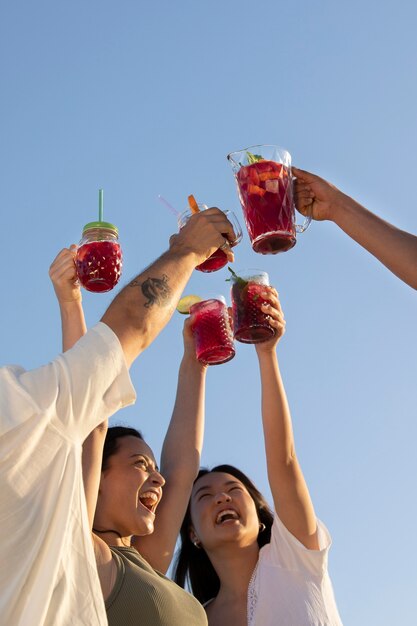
<point>106,566</point>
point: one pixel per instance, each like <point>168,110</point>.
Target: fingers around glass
<point>225,245</point>
<point>236,227</point>
<point>233,240</point>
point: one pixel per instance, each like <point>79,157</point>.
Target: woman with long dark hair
<point>247,565</point>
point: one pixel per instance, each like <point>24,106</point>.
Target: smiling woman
<point>130,487</point>
<point>247,565</point>
<point>224,485</point>
<point>129,494</point>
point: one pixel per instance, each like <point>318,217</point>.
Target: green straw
<point>100,205</point>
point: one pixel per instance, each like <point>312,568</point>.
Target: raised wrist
<point>179,249</point>
<point>340,207</point>
<point>70,304</point>
<point>192,364</point>
<point>269,354</point>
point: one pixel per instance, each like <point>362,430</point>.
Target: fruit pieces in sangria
<point>265,191</point>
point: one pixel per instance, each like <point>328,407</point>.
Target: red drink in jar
<point>250,324</point>
<point>215,262</point>
<point>99,257</point>
<point>218,259</point>
<point>212,332</point>
<point>265,191</point>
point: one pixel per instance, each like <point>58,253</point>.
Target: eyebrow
<point>226,484</point>
<point>147,458</point>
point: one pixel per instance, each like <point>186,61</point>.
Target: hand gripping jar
<point>99,257</point>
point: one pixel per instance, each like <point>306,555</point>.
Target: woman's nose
<point>157,478</point>
<point>222,497</point>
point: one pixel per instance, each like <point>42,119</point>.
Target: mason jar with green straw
<point>99,255</point>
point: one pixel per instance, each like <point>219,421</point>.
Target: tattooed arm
<point>143,308</point>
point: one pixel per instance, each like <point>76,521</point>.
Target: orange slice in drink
<point>186,303</point>
<point>193,204</point>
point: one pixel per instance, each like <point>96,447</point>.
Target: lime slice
<point>186,303</point>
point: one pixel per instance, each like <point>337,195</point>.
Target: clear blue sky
<point>148,98</point>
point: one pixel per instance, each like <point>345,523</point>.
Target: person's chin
<point>149,529</point>
<point>147,524</point>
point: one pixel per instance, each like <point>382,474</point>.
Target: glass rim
<point>185,215</point>
<point>214,297</point>
<point>260,145</point>
<point>250,273</point>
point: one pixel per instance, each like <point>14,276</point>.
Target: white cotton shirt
<point>290,585</point>
<point>48,574</point>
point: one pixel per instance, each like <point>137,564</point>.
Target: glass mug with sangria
<point>265,188</point>
<point>219,258</point>
<point>211,328</point>
<point>250,323</point>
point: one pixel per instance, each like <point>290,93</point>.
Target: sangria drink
<point>265,190</point>
<point>250,324</point>
<point>218,259</point>
<point>99,257</point>
<point>212,331</point>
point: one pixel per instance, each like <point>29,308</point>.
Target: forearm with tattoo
<point>144,307</point>
<point>155,290</point>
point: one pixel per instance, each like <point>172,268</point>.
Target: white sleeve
<point>286,551</point>
<point>74,393</point>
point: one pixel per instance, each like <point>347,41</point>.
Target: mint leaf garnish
<point>253,158</point>
<point>236,279</point>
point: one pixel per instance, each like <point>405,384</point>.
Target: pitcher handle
<point>301,228</point>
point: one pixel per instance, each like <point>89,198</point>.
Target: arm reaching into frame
<point>395,248</point>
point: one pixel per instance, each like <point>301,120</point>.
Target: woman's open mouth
<point>149,500</point>
<point>226,516</point>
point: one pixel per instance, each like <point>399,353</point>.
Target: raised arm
<point>395,248</point>
<point>137,315</point>
<point>289,490</point>
<point>180,459</point>
<point>67,289</point>
<point>143,308</point>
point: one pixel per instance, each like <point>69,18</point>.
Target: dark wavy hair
<point>111,445</point>
<point>192,565</point>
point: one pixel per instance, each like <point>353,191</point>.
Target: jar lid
<point>101,225</point>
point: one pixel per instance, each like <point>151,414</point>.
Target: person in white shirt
<point>48,574</point>
<point>137,514</point>
<point>395,248</point>
<point>247,565</point>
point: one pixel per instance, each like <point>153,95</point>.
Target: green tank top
<point>142,596</point>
